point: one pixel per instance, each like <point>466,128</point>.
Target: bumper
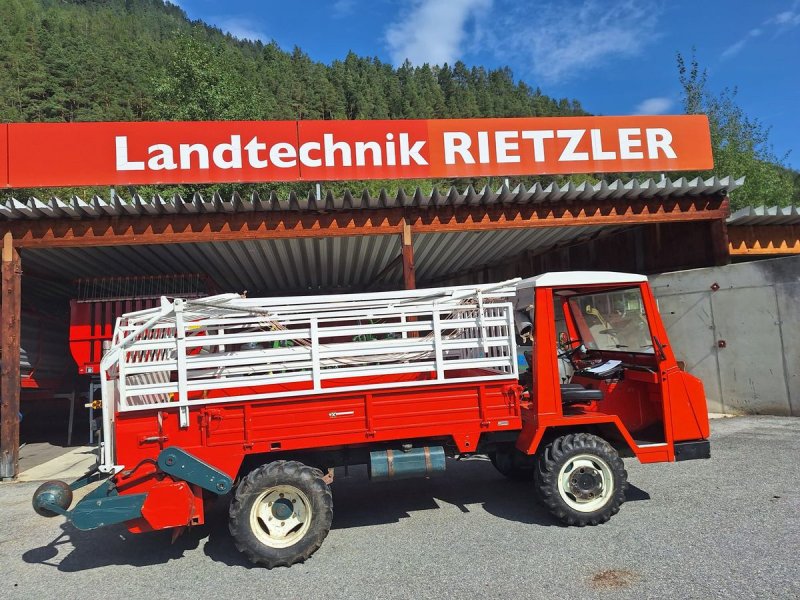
<point>692,450</point>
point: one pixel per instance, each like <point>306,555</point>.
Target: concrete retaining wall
<point>738,328</point>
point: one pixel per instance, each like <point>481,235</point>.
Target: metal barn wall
<point>45,362</point>
<point>651,248</point>
<point>736,327</point>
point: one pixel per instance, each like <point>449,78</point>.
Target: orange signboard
<point>71,154</point>
<point>3,155</point>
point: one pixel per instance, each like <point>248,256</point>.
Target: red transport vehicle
<point>263,398</point>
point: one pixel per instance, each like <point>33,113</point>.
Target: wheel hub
<point>585,483</point>
<point>282,509</point>
<point>281,516</point>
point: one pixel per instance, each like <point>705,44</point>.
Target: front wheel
<point>581,479</point>
<point>280,513</point>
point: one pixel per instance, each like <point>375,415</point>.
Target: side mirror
<point>563,338</point>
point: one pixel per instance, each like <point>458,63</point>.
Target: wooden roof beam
<point>212,227</point>
<point>764,240</point>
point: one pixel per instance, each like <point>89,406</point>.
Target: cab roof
<point>571,278</point>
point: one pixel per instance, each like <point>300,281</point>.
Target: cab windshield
<point>612,321</point>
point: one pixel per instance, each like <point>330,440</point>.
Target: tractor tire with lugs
<point>280,513</point>
<point>581,479</point>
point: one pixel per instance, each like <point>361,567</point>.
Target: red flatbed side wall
<point>222,434</point>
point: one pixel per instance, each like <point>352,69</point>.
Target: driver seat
<point>575,393</point>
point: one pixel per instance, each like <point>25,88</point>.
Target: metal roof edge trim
<point>55,208</point>
<point>766,215</point>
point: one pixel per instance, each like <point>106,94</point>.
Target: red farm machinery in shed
<point>97,304</point>
<point>43,364</point>
<point>100,301</point>
<point>264,398</point>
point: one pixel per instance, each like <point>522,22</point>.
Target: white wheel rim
<point>280,516</point>
<point>585,483</point>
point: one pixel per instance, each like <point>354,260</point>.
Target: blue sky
<point>615,56</point>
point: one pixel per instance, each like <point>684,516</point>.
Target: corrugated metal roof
<point>304,264</point>
<point>96,207</point>
<point>766,215</point>
<point>440,254</point>
<point>270,264</point>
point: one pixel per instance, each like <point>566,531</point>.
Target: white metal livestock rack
<point>161,356</point>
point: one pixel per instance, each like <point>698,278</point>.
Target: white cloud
<point>737,46</point>
<point>563,39</point>
<point>733,49</point>
<point>788,18</point>
<point>240,27</point>
<point>654,106</point>
<point>343,8</point>
<point>779,23</point>
<point>433,31</point>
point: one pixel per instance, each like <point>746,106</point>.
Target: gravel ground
<point>725,527</point>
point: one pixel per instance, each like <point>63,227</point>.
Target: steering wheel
<point>566,351</point>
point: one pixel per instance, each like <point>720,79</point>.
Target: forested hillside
<point>82,60</point>
<point>101,60</point>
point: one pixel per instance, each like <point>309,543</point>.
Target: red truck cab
<point>622,370</point>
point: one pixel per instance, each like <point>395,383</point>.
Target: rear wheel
<point>280,514</point>
<point>581,479</point>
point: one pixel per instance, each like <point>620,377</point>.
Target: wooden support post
<point>409,278</point>
<point>720,249</point>
<point>9,350</point>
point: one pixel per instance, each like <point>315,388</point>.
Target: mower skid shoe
<point>104,506</point>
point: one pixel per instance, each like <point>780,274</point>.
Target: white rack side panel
<point>170,356</point>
